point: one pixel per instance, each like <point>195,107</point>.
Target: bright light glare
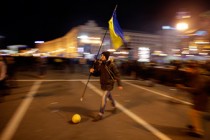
<point>90,41</point>
<point>143,54</point>
<point>39,42</point>
<point>201,42</point>
<point>182,26</point>
<point>83,37</point>
<point>87,39</point>
<point>111,50</point>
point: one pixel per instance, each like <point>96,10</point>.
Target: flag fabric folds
<point>116,34</point>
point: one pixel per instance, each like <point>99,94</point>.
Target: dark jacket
<point>108,72</point>
<point>199,86</point>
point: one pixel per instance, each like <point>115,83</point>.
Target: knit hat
<point>106,54</point>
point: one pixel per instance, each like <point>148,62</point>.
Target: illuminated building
<point>195,41</point>
<point>88,38</point>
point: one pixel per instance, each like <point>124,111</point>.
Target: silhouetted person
<point>11,71</point>
<point>3,76</point>
<point>42,66</point>
<point>198,86</point>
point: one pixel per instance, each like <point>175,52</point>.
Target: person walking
<point>42,66</point>
<point>198,86</point>
<point>11,71</point>
<point>3,75</point>
<point>109,73</point>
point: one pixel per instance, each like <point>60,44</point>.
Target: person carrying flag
<point>109,73</point>
<point>106,69</point>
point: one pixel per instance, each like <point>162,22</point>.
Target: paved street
<point>41,109</point>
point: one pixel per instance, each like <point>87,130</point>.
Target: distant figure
<point>3,72</point>
<point>82,63</point>
<point>71,65</point>
<point>58,63</point>
<point>198,86</point>
<point>108,72</point>
<point>11,71</point>
<point>42,66</point>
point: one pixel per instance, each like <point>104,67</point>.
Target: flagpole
<point>81,99</point>
<point>114,10</point>
<point>101,44</point>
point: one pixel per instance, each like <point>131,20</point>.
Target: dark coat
<point>199,86</point>
<point>108,72</point>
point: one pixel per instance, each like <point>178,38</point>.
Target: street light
<point>184,42</point>
<point>182,26</point>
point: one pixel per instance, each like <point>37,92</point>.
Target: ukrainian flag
<point>116,34</point>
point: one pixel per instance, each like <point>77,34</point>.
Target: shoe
<point>191,127</point>
<point>98,118</point>
<point>114,110</point>
<point>194,134</point>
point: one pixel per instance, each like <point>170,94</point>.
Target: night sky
<point>24,21</point>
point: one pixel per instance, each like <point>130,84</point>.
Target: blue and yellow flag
<point>116,34</point>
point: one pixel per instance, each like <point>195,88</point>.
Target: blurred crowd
<point>164,73</point>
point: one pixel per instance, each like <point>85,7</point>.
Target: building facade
<point>88,38</point>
